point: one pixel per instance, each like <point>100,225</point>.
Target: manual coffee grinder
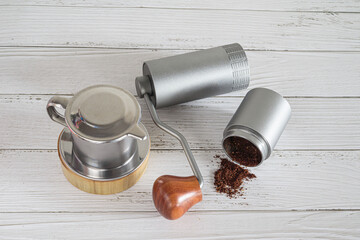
<point>183,78</point>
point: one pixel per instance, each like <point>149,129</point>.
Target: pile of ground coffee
<point>242,151</point>
<point>230,177</point>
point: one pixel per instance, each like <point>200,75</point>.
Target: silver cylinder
<point>194,75</point>
<point>260,119</point>
<point>105,155</point>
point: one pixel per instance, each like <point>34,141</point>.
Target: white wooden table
<point>309,51</point>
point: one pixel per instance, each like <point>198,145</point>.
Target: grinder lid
<point>104,113</point>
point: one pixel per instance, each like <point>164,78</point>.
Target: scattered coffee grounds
<point>242,151</point>
<point>230,177</point>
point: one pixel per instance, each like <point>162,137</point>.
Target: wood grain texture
<point>32,181</point>
<point>316,123</point>
<point>68,70</point>
<point>102,187</point>
<point>177,28</point>
<point>173,196</point>
<point>262,5</point>
<point>210,225</point>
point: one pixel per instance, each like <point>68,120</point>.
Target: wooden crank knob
<point>173,196</point>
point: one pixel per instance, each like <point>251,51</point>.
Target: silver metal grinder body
<point>195,75</point>
<point>261,118</point>
<point>190,76</point>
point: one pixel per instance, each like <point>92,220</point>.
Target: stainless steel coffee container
<point>260,119</point>
<point>103,147</point>
<point>195,75</point>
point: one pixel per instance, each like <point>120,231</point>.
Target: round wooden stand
<point>102,187</point>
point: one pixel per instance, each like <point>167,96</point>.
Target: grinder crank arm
<point>173,196</point>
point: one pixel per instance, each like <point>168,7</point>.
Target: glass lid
<point>104,113</point>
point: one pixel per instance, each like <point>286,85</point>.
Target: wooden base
<point>103,187</point>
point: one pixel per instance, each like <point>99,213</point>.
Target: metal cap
<point>103,114</point>
<point>260,119</point>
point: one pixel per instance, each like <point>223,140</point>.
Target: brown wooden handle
<point>173,196</point>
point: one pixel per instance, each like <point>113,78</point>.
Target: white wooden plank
<point>268,5</point>
<point>316,123</point>
<point>32,181</point>
<point>176,28</point>
<point>64,71</point>
<point>211,225</point>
